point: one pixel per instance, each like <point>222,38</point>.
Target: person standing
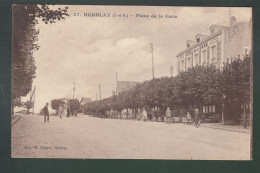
<point>188,118</point>
<point>196,117</point>
<point>60,111</point>
<point>168,115</point>
<point>46,112</point>
<point>68,111</point>
<point>191,111</point>
<point>144,115</point>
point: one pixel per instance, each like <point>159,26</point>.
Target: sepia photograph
<point>132,82</point>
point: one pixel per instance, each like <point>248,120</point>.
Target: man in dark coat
<point>68,111</point>
<point>46,112</point>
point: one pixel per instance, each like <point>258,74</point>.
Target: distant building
<point>222,46</point>
<point>85,100</point>
<point>125,85</point>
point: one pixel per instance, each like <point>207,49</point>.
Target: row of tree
<point>197,86</point>
<point>73,104</point>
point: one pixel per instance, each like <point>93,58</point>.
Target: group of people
<point>188,117</point>
<point>144,115</point>
<point>169,117</point>
<point>61,109</point>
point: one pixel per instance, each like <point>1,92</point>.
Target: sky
<point>90,50</point>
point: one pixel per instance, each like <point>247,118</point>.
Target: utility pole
<point>30,102</point>
<point>74,90</point>
<point>171,69</point>
<point>116,83</point>
<point>229,12</point>
<point>96,96</point>
<point>99,96</point>
<point>152,59</point>
<point>99,92</point>
<point>229,16</point>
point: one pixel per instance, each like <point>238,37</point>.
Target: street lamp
<point>224,97</point>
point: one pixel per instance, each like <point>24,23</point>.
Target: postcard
<point>132,82</point>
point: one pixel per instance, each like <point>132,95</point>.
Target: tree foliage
<point>25,36</point>
<point>56,103</point>
<point>200,85</point>
<point>74,105</point>
<point>28,104</point>
<point>235,80</point>
<point>17,102</point>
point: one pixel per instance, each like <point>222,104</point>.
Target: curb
<point>240,131</point>
<point>15,120</point>
<point>219,128</point>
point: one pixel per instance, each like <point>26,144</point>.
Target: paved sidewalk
<point>235,128</point>
<point>219,126</point>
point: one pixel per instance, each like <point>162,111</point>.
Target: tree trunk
<point>244,109</point>
<point>223,119</point>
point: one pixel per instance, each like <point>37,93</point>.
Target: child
<point>144,115</point>
<point>188,118</point>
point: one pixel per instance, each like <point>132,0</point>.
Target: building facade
<point>125,85</point>
<point>223,45</point>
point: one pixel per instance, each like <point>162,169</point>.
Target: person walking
<point>60,111</point>
<point>68,111</point>
<point>196,117</point>
<point>46,112</point>
<point>168,115</point>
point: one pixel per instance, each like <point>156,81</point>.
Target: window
<point>182,65</point>
<point>198,40</point>
<point>196,59</point>
<point>213,53</point>
<point>209,109</point>
<point>213,109</point>
<point>204,57</point>
<point>188,62</point>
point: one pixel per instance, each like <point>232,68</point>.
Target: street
<point>86,137</point>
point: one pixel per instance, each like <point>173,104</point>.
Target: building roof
<point>125,85</point>
<point>207,38</point>
<point>199,43</point>
<point>204,39</point>
<point>85,100</point>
